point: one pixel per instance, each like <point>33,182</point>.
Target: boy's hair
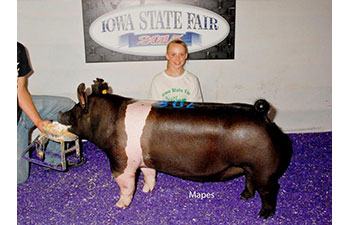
<point>177,41</point>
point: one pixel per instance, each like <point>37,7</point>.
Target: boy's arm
<point>26,103</point>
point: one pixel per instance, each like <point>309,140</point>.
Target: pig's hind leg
<point>267,186</point>
<point>150,179</point>
<point>249,190</point>
<point>268,194</point>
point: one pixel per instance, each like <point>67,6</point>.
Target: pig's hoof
<point>146,188</point>
<point>245,195</point>
<point>265,213</point>
<point>122,204</point>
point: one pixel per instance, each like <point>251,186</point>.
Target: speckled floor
<point>87,194</point>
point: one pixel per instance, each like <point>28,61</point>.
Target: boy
<point>175,83</point>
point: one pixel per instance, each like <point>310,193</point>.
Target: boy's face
<point>176,55</point>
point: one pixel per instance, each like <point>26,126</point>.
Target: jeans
<point>48,108</point>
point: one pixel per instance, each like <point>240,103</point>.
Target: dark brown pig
<point>195,141</point>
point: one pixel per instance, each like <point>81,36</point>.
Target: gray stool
<point>37,151</point>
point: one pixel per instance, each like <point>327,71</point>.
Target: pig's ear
<point>82,96</point>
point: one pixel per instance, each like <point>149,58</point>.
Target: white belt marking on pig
<point>135,120</point>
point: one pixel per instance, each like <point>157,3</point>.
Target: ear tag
<point>104,91</point>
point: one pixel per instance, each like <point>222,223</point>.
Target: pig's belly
<point>189,167</point>
<point>198,171</point>
<point>194,158</point>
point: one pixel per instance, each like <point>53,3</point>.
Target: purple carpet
<point>87,194</point>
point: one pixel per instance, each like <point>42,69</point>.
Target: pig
<point>190,140</point>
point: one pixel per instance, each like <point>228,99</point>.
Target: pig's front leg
<point>126,183</point>
<point>150,179</point>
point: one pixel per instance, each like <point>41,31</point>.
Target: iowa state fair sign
<point>140,30</point>
<point>145,30</point>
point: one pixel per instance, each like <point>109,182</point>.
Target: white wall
<point>283,54</point>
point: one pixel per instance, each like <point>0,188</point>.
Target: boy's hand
<point>42,124</point>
